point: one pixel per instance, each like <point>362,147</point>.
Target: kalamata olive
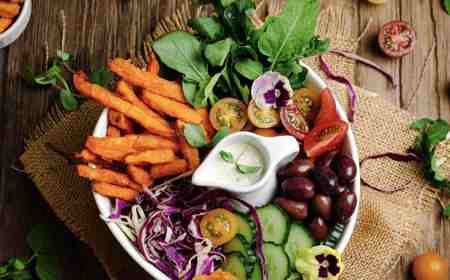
<point>297,168</point>
<point>326,179</point>
<point>298,188</point>
<point>325,160</point>
<point>297,210</point>
<point>322,206</point>
<point>345,206</point>
<point>318,228</point>
<point>340,189</point>
<point>346,169</point>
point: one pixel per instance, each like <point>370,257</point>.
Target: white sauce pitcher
<point>276,152</point>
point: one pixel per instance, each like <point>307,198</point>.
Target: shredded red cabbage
<point>351,91</point>
<point>120,205</point>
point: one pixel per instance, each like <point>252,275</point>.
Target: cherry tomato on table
<point>230,113</point>
<point>397,38</point>
<point>219,226</point>
<point>430,266</point>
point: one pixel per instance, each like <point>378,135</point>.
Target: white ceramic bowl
<point>17,28</point>
<point>105,205</point>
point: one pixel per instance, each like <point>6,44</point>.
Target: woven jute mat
<point>387,223</point>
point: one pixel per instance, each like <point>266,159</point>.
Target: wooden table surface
<point>21,108</point>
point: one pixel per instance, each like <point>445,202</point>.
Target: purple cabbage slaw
<point>169,237</point>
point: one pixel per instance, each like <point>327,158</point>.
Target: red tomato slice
<point>397,38</point>
<point>325,138</point>
<point>294,122</point>
<point>327,111</point>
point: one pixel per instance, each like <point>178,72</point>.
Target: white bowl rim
<point>17,26</point>
<point>105,205</point>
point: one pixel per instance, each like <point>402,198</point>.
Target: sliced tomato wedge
<point>294,122</point>
<point>325,138</point>
<point>327,111</point>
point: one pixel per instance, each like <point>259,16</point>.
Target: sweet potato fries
<point>144,140</point>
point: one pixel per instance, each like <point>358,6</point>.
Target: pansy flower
<point>319,263</point>
<point>271,90</point>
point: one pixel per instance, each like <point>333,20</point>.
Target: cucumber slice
<point>277,262</point>
<point>234,265</point>
<point>256,272</point>
<point>299,237</point>
<point>274,223</point>
<point>237,245</point>
<point>245,229</point>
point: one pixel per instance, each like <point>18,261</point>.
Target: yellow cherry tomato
<point>430,266</point>
<point>263,118</point>
<point>219,226</point>
<point>230,113</point>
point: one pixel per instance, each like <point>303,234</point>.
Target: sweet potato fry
<point>149,81</point>
<point>190,154</point>
<point>151,156</point>
<point>153,64</point>
<point>127,93</point>
<point>86,155</point>
<point>107,176</point>
<point>113,191</point>
<point>140,176</point>
<point>170,107</point>
<point>119,120</point>
<point>106,98</point>
<point>113,131</point>
<point>9,10</point>
<point>5,23</point>
<point>169,169</point>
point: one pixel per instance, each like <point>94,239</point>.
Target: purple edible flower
<point>271,90</point>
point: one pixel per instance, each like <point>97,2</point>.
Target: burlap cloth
<point>387,223</point>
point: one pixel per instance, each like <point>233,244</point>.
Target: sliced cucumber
<point>274,223</point>
<point>256,272</point>
<point>277,262</point>
<point>234,265</point>
<point>299,237</point>
<point>237,245</point>
<point>245,229</point>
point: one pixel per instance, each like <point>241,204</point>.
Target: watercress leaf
<point>63,56</point>
<point>46,239</point>
<point>247,169</point>
<point>3,269</point>
<point>189,90</point>
<point>437,132</point>
<point>102,77</point>
<point>17,264</point>
<point>183,52</point>
<point>226,156</point>
<point>297,80</point>
<point>421,124</point>
<point>21,275</point>
<point>222,133</point>
<point>200,98</point>
<point>226,3</point>
<point>447,6</point>
<point>243,89</point>
<point>194,135</point>
<point>239,52</point>
<point>315,47</point>
<point>290,32</point>
<point>45,80</point>
<point>217,53</point>
<point>446,211</point>
<point>250,69</point>
<point>68,100</point>
<point>48,267</point>
<point>209,28</point>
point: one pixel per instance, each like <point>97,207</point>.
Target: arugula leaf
<point>227,3</point>
<point>17,263</point>
<point>446,4</point>
<point>218,52</point>
<point>208,27</point>
<point>200,98</point>
<point>290,32</point>
<point>239,52</point>
<point>243,90</point>
<point>102,77</point>
<point>189,90</point>
<point>183,52</point>
<point>226,156</point>
<point>48,267</point>
<point>68,100</point>
<point>250,69</point>
<point>194,135</point>
<point>247,169</point>
<point>222,133</point>
<point>446,211</point>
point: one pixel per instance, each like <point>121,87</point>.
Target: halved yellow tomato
<point>219,226</point>
<point>230,113</point>
<point>307,102</point>
<point>263,118</point>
